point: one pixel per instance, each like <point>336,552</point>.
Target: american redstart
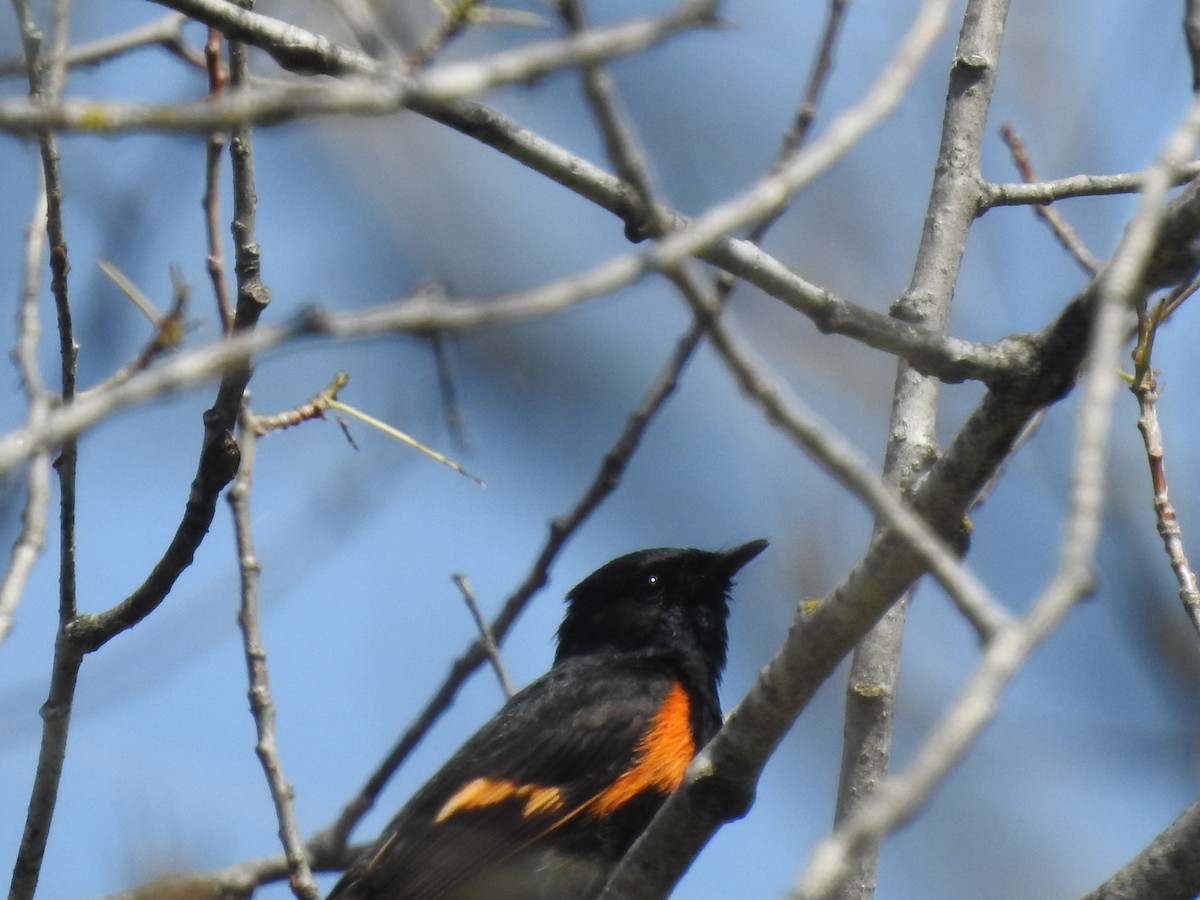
<point>544,800</point>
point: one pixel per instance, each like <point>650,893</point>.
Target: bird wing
<point>580,758</point>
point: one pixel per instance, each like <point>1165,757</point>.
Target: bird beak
<point>731,561</point>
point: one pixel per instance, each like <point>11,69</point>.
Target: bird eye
<point>652,580</point>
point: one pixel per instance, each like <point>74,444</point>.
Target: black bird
<point>544,800</point>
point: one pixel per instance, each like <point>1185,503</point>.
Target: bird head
<point>664,601</point>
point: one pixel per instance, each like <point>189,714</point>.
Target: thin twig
<point>840,459</point>
<point>168,329</point>
<point>1145,389</point>
<point>485,634</point>
<point>262,707</point>
<point>796,136</point>
<point>1063,231</point>
<point>874,677</point>
<point>1021,193</point>
<point>404,438</point>
<point>214,148</point>
<point>312,408</point>
<point>1144,386</point>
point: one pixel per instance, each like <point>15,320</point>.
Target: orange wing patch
<point>489,791</point>
<point>660,760</point>
<point>662,756</point>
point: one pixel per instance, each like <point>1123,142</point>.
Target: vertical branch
<point>1118,287</point>
<point>219,450</point>
<point>953,202</point>
<point>1146,391</point>
<point>262,707</point>
<point>1145,388</point>
<point>47,75</point>
<point>252,295</point>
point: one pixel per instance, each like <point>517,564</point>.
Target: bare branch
<point>214,148</point>
<point>1022,194</point>
<point>262,707</point>
<point>912,430</point>
<point>1144,386</point>
<point>607,478</point>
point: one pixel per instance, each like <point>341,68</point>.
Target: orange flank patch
<point>484,792</point>
<point>662,756</point>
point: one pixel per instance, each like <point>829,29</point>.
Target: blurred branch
<point>165,32</point>
<point>219,451</point>
<point>235,882</point>
<point>262,707</point>
<point>1167,869</point>
<point>451,410</point>
<point>950,360</point>
<point>424,311</point>
<point>797,133</point>
<point>841,459</point>
<point>379,93</point>
<point>1191,32</point>
<point>1067,236</point>
<point>32,538</point>
<point>1119,285</point>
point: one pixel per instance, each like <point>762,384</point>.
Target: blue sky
<point>1094,747</point>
